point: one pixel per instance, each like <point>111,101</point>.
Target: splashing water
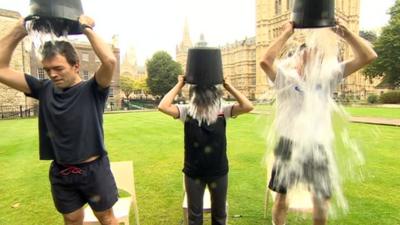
<point>39,37</point>
<point>205,103</point>
<point>303,129</point>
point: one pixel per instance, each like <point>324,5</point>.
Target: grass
<point>363,111</point>
<point>390,113</point>
<point>155,143</point>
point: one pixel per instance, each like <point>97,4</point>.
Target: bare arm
<point>105,72</point>
<point>243,104</point>
<point>8,44</point>
<point>363,52</point>
<point>166,105</point>
<point>267,62</point>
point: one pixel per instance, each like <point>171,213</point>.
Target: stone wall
<point>19,62</point>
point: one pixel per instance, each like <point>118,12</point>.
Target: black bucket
<point>58,16</point>
<point>204,66</point>
<point>314,13</point>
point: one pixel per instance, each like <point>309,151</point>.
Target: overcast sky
<point>152,25</point>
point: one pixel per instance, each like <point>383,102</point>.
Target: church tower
<point>129,65</point>
<point>182,48</point>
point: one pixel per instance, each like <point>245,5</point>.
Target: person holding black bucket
<point>204,119</point>
<point>70,119</point>
<point>304,82</point>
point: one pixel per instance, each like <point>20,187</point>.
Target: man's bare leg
<point>320,210</point>
<point>74,218</point>
<point>106,217</point>
<point>279,209</point>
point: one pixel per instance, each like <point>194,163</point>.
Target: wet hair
<point>205,102</point>
<point>64,48</point>
<point>204,97</point>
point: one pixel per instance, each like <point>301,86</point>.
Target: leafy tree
<point>127,85</point>
<point>387,46</point>
<point>369,36</point>
<point>141,86</point>
<point>162,73</point>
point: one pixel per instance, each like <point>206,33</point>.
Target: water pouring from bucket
<point>313,13</point>
<point>303,139</point>
<point>204,77</point>
<point>57,16</point>
<point>54,20</point>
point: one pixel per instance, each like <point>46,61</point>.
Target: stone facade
<point>20,62</point>
<point>239,65</point>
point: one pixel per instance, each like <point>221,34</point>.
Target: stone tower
<point>129,64</point>
<point>182,48</point>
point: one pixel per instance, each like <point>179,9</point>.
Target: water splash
<point>38,37</point>
<point>205,103</point>
<point>303,128</point>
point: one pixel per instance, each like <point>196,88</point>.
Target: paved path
<point>357,119</point>
<point>375,120</point>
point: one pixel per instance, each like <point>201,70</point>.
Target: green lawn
<point>154,142</point>
<point>367,111</point>
<point>391,113</point>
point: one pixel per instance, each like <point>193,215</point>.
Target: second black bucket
<point>58,16</point>
<point>204,66</point>
<point>313,13</point>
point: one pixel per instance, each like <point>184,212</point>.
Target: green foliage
<point>369,36</point>
<point>162,73</point>
<point>127,85</point>
<point>141,85</point>
<point>392,97</point>
<point>372,99</point>
<point>387,46</point>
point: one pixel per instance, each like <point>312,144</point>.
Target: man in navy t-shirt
<point>70,122</point>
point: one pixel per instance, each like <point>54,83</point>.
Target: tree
<point>162,73</point>
<point>387,46</point>
<point>127,85</point>
<point>141,85</point>
<point>369,36</point>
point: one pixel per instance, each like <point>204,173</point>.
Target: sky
<point>152,25</point>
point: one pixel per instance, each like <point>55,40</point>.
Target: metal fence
<point>137,104</point>
<point>17,112</point>
<point>20,111</point>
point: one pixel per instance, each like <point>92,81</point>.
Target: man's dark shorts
<point>315,176</point>
<point>74,186</point>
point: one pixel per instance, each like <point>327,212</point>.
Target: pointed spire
<point>186,42</point>
<point>202,42</point>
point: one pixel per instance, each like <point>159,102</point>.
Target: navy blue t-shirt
<point>70,121</point>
